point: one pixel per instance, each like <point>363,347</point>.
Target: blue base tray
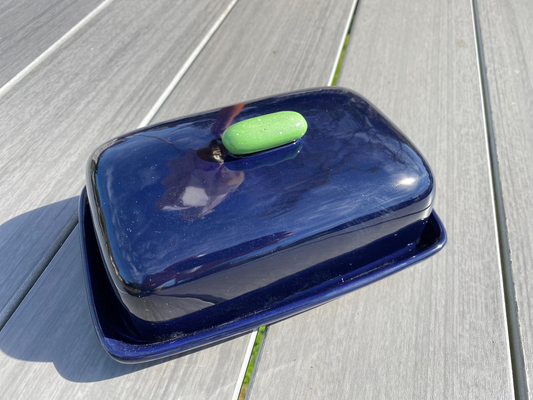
<point>118,335</point>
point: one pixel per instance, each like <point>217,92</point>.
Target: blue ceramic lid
<point>193,237</point>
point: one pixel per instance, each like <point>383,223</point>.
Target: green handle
<point>264,132</point>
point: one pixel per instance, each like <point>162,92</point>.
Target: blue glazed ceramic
<point>186,244</point>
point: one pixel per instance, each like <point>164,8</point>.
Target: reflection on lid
<point>198,182</point>
<point>195,186</point>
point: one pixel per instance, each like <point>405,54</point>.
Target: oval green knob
<point>264,132</point>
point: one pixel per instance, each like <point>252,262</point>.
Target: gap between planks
<point>28,283</point>
<point>502,238</point>
<point>338,62</point>
<point>62,40</point>
<point>244,366</point>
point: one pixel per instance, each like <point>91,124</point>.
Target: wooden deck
<point>455,76</point>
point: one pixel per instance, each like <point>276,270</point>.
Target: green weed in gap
<point>341,58</point>
<point>251,363</point>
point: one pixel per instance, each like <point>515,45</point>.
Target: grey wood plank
<point>507,37</point>
<point>438,329</point>
<point>28,28</point>
<point>282,47</point>
<point>49,349</point>
<point>99,84</point>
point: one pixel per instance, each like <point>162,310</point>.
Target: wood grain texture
<point>49,350</point>
<point>28,28</point>
<point>101,83</point>
<point>263,49</point>
<point>507,36</point>
<point>438,329</point>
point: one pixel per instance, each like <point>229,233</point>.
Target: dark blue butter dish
<point>186,244</point>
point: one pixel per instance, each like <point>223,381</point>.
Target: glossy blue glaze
<point>115,325</point>
<point>194,238</point>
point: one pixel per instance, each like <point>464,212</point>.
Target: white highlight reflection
<point>407,181</point>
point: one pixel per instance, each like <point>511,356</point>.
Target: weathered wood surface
<point>28,28</point>
<point>100,83</point>
<point>507,35</point>
<point>53,364</point>
<point>49,350</point>
<point>262,50</point>
<point>438,329</point>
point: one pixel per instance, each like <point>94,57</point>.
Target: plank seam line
<point>347,30</point>
<point>502,238</point>
<point>244,366</point>
<point>34,275</point>
<point>164,96</point>
<point>35,63</point>
<point>257,361</point>
<point>32,278</point>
